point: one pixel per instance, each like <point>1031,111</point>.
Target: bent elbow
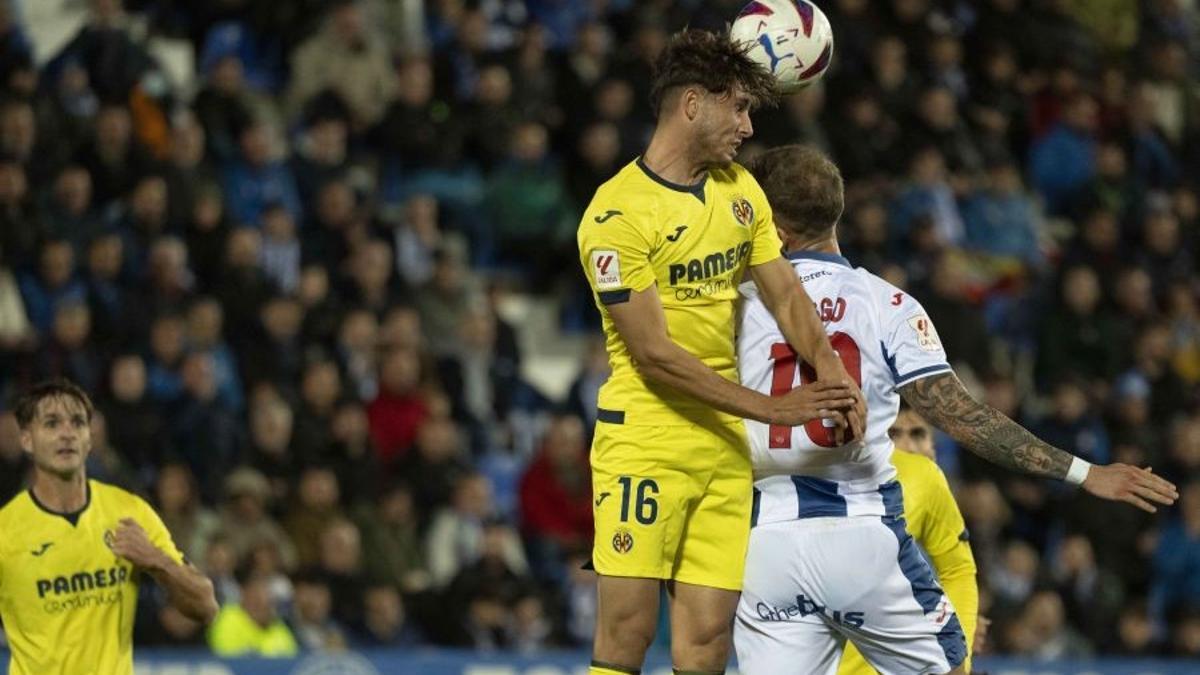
<point>650,361</point>
<point>207,609</point>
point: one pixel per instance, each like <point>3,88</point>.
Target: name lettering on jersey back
<point>831,310</point>
<point>711,265</point>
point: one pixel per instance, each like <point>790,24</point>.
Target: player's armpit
<point>945,402</point>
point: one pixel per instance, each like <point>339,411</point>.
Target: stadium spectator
<point>345,56</point>
<point>68,350</point>
<point>113,157</point>
<point>317,506</point>
<point>206,333</point>
<point>281,248</point>
<point>451,292</point>
<point>438,460</point>
<point>251,626</point>
<point>458,534</point>
<point>12,458</point>
<point>245,520</point>
<point>1079,336</point>
<point>399,409</point>
<point>54,283</point>
<point>273,349</point>
<point>68,210</point>
<point>1176,558</point>
<point>528,201</point>
<point>270,452</point>
<point>320,389</point>
<point>483,594</point>
<point>372,280</point>
<point>1001,219</point>
<point>204,430</point>
<point>190,523</point>
<point>556,498</point>
<point>188,168</point>
<point>257,176</point>
<point>1062,162</point>
<point>927,195</point>
<point>311,619</point>
<point>322,150</point>
<point>339,559</point>
<point>1041,631</point>
<point>385,623</point>
<point>1092,595</point>
<point>117,319</point>
<point>394,552</point>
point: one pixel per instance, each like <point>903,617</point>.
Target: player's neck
<point>61,495</point>
<point>823,245</point>
<point>669,157</point>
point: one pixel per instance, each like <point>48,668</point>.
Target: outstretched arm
<point>945,402</point>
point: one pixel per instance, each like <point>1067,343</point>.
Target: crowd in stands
<point>280,277</point>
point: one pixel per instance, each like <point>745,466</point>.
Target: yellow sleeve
<point>945,540</point>
<point>615,252</point>
<point>956,572</point>
<point>764,238</point>
<point>157,531</point>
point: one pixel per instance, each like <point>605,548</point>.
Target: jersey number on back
<point>783,374</point>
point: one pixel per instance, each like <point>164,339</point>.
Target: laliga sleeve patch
<point>927,337</point>
<point>606,269</point>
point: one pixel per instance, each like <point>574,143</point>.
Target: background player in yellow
<point>73,549</point>
<point>664,244</point>
<point>933,519</point>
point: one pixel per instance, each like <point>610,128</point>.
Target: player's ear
<point>693,99</point>
<point>26,438</point>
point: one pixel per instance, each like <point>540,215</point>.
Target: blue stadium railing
<point>448,662</point>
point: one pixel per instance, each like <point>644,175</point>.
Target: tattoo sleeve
<point>985,431</point>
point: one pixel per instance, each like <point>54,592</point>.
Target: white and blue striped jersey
<point>886,341</point>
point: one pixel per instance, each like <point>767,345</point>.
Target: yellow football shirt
<point>66,600</point>
<point>933,519</point>
<point>695,242</point>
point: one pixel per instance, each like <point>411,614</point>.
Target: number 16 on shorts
<point>618,514</point>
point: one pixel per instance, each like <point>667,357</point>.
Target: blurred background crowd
<point>297,249</point>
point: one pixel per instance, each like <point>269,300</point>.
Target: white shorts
<point>813,583</point>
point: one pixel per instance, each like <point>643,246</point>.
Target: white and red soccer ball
<point>790,38</point>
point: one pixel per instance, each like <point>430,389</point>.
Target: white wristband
<point>1078,471</point>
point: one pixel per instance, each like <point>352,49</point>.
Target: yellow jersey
<point>695,242</point>
<point>933,519</point>
<point>66,600</point>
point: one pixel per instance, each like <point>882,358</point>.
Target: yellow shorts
<point>672,502</point>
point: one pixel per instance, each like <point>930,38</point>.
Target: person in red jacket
<point>556,495</point>
<point>399,410</point>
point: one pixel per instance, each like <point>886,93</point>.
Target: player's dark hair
<point>710,60</point>
<point>27,404</point>
<point>804,188</point>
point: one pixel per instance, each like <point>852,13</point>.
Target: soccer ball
<point>790,38</point>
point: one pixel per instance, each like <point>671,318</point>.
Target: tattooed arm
<point>945,402</point>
